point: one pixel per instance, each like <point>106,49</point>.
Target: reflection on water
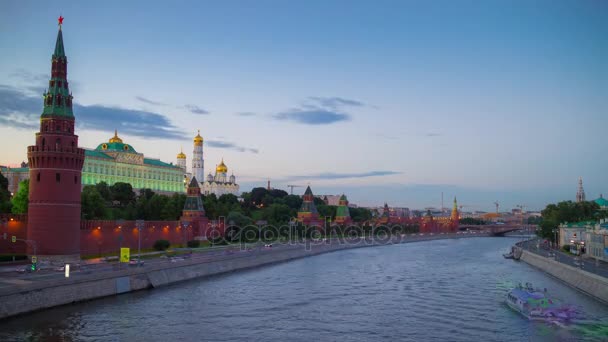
<point>447,290</point>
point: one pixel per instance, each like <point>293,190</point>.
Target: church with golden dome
<point>219,183</point>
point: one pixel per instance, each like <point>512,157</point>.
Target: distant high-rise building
<point>580,194</point>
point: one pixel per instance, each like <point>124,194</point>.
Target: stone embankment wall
<point>589,283</point>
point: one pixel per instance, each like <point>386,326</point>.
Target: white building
<point>220,184</point>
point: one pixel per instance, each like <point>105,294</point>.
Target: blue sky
<point>391,101</point>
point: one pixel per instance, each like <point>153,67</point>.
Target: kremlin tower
<point>342,213</point>
<point>198,163</point>
<point>55,169</point>
<point>194,212</point>
<point>308,213</point>
<point>454,217</point>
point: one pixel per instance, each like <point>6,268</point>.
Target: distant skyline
<point>386,101</point>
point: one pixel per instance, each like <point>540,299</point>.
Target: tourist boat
<point>534,304</point>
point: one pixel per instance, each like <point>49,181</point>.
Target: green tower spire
<point>58,100</point>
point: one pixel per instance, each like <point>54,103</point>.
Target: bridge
<point>498,229</point>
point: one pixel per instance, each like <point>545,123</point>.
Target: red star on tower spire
<point>60,19</point>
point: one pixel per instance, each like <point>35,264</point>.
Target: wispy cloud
<point>431,134</point>
<point>231,146</point>
<point>245,114</point>
<point>317,110</point>
<point>148,101</point>
<point>21,110</point>
<point>196,109</point>
<point>331,175</point>
<point>30,77</point>
<point>312,117</point>
<point>335,102</point>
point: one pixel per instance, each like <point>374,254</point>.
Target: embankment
<point>589,283</point>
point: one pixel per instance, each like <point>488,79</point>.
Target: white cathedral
<point>217,184</point>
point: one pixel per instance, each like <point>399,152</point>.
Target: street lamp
<point>185,225</point>
<point>140,225</point>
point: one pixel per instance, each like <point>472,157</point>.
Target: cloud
<point>331,175</point>
<point>317,110</point>
<point>29,77</point>
<point>20,110</point>
<point>433,134</point>
<point>245,114</point>
<point>335,102</point>
<point>196,109</point>
<point>145,100</point>
<point>231,146</point>
<point>312,117</point>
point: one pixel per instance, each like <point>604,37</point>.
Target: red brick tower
<point>55,169</point>
<point>194,212</point>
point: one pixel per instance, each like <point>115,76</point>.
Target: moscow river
<point>442,290</point>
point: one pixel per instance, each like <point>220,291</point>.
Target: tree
<point>92,204</point>
<point>5,196</point>
<point>567,211</point>
<point>104,190</point>
<point>293,201</point>
<point>123,193</point>
<point>173,208</point>
<point>21,199</point>
<point>257,195</point>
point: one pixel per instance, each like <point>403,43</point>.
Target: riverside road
<point>588,265</point>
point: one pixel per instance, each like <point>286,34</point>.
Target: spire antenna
<point>60,20</point>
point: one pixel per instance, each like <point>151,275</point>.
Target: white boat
<point>534,304</point>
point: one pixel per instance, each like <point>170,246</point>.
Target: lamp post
<point>185,225</point>
<point>139,224</point>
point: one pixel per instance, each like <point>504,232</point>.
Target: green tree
<point>174,207</point>
<point>93,205</point>
<point>293,201</point>
<point>104,190</point>
<point>567,211</point>
<point>5,196</point>
<point>21,199</point>
<point>123,193</point>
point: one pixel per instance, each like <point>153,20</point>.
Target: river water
<point>443,290</point>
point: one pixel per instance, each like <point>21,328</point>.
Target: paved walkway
<point>587,264</point>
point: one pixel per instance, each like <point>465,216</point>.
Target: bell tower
<point>55,170</point>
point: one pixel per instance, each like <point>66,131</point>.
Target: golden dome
<point>222,167</point>
<point>115,138</point>
<point>198,139</point>
<point>181,155</point>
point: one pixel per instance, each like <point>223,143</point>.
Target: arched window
<point>43,141</point>
<point>38,177</point>
<point>58,177</point>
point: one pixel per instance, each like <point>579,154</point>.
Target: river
<point>443,290</point>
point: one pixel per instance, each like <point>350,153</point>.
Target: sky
<point>385,101</point>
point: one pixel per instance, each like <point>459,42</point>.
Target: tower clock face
<point>104,146</point>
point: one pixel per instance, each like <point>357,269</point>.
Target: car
<point>60,269</point>
<point>268,245</point>
<point>136,262</point>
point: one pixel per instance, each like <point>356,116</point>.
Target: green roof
<point>115,147</point>
<point>16,169</point>
<point>59,50</point>
<point>157,162</point>
<point>96,154</point>
<point>602,202</point>
<point>581,224</point>
<point>342,211</point>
